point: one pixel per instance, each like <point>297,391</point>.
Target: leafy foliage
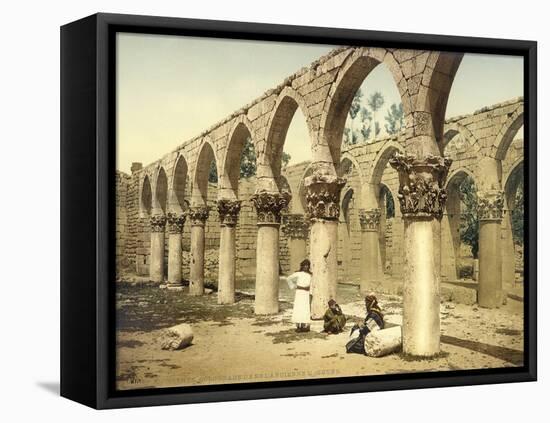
<point>469,224</point>
<point>394,119</point>
<point>248,162</point>
<point>518,216</point>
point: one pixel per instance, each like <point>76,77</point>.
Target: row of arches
<point>423,80</point>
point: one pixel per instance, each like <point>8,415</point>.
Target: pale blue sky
<point>170,88</point>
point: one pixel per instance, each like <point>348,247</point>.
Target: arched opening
<point>161,191</point>
<point>288,140</point>
<point>376,110</point>
<point>146,201</point>
<point>460,240</point>
<point>239,183</point>
<point>364,95</point>
<point>513,216</point>
<point>180,184</point>
<point>144,228</point>
<point>205,190</point>
<point>288,158</point>
<point>385,182</point>
<point>346,239</point>
<point>206,175</point>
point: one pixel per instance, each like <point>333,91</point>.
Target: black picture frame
<point>87,210</point>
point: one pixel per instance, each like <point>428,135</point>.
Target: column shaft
<point>421,326</point>
<point>422,199</point>
<point>198,217</point>
<point>323,199</point>
<point>490,206</point>
<point>268,206</point>
<point>370,241</point>
<point>156,270</point>
<point>228,211</point>
<point>175,227</point>
<point>226,278</point>
<point>324,263</point>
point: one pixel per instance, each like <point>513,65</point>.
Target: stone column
<point>156,269</point>
<point>323,199</point>
<point>175,228</point>
<point>268,206</point>
<point>228,211</point>
<point>296,229</point>
<point>422,199</point>
<point>490,205</point>
<point>370,227</point>
<point>198,216</point>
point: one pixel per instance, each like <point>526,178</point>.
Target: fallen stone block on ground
<point>383,342</point>
<point>176,337</point>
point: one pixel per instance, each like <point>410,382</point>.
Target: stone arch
<point>347,162</point>
<point>455,128</point>
<point>351,75</point>
<point>146,197</point>
<point>202,169</point>
<point>451,223</point>
<point>160,198</point>
<point>179,184</point>
<point>433,93</point>
<point>230,174</point>
<point>511,181</point>
<point>288,101</point>
<point>381,160</point>
<point>507,132</point>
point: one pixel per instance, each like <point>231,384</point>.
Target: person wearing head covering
<point>374,320</point>
<point>334,318</point>
<point>301,282</point>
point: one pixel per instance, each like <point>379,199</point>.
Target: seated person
<point>334,318</point>
<point>373,321</point>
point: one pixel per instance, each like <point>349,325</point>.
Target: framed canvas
<point>259,211</point>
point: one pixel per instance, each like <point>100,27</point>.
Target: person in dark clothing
<point>334,318</point>
<point>374,320</point>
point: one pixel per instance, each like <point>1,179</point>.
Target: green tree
<point>213,173</point>
<point>518,215</point>
<point>350,136</point>
<point>394,119</point>
<point>248,162</point>
<point>375,102</point>
<point>469,224</point>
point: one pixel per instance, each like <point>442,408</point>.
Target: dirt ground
<point>231,345</point>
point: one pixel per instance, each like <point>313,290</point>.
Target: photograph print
<point>290,211</point>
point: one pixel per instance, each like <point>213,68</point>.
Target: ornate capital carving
<point>158,223</point>
<point>198,215</point>
<point>269,205</point>
<point>228,211</point>
<point>369,219</point>
<point>490,205</point>
<point>421,185</point>
<point>175,222</point>
<point>295,226</point>
<point>323,196</point>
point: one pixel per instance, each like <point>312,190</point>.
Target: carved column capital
<point>158,223</point>
<point>421,185</point>
<point>175,222</point>
<point>228,211</point>
<point>269,206</point>
<point>490,205</point>
<point>323,196</point>
<point>198,215</point>
<point>295,226</point>
<point>369,220</point>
